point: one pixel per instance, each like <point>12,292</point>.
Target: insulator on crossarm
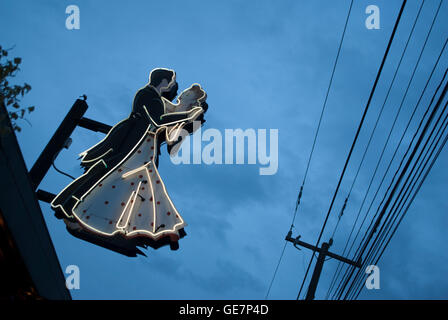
<point>343,208</point>
<point>299,197</point>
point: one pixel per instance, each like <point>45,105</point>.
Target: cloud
<point>228,278</point>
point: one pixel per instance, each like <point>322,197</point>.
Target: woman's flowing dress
<point>131,199</point>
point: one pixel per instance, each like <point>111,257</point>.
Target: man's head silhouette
<point>164,81</point>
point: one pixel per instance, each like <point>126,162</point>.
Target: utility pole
<point>323,253</point>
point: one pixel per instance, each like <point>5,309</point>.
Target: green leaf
<point>31,109</point>
<point>17,60</point>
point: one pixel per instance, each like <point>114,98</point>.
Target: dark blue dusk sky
<point>264,65</point>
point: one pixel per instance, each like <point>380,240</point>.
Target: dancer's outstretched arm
<point>172,118</point>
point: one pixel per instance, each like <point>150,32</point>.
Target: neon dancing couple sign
<point>121,202</point>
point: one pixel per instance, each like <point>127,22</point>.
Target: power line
<point>393,157</point>
<point>393,126</point>
<point>389,216</point>
<point>392,215</point>
<point>441,52</point>
<point>395,186</point>
<point>276,269</point>
<point>322,112</point>
<point>327,93</point>
<point>355,139</point>
<point>345,277</point>
<point>388,167</point>
<point>377,121</point>
<point>406,195</point>
<point>313,145</point>
<point>412,199</point>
